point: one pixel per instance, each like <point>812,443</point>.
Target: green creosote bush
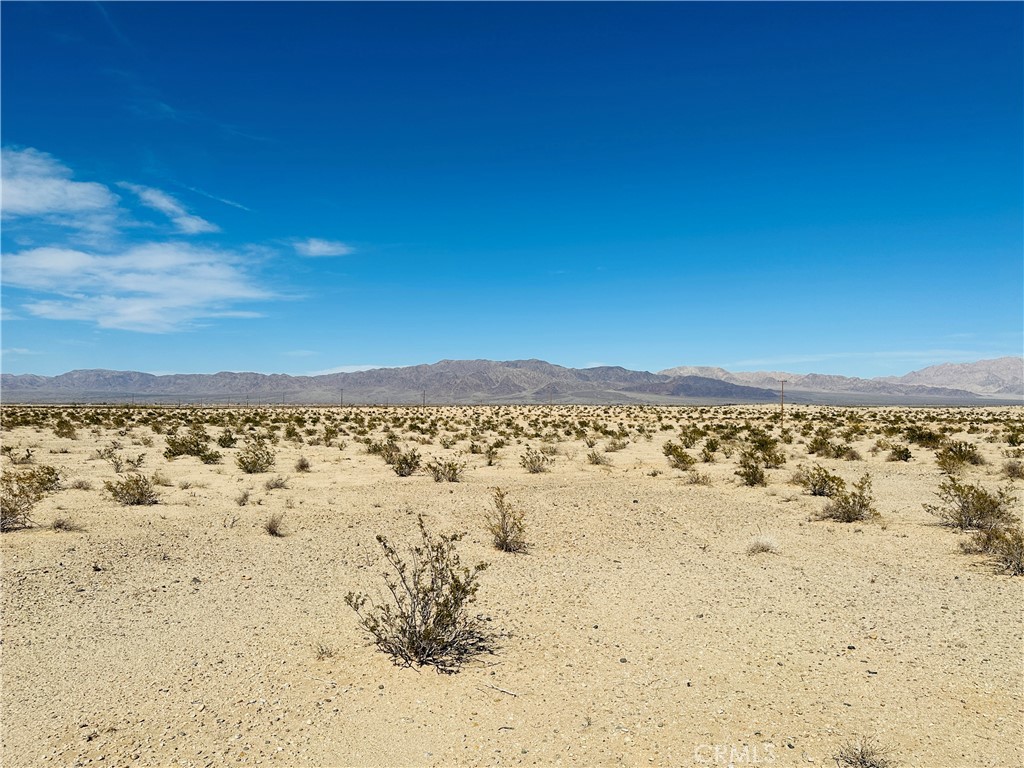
<point>227,439</point>
<point>677,456</point>
<point>534,461</point>
<point>598,459</point>
<point>20,491</point>
<point>506,525</point>
<point>820,482</point>
<point>192,443</point>
<point>751,470</point>
<point>925,437</point>
<point>406,462</point>
<point>255,456</point>
<point>970,507</point>
<point>952,457</point>
<point>134,490</point>
<point>446,470</point>
<point>425,618</point>
<point>899,453</point>
<point>852,506</point>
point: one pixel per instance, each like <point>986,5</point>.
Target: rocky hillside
<point>518,381</point>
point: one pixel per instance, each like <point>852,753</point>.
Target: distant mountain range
<point>529,381</point>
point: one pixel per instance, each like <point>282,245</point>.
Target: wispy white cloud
<point>153,287</point>
<point>159,200</point>
<point>35,184</point>
<point>72,251</point>
<point>224,200</point>
<point>18,351</point>
<point>314,247</point>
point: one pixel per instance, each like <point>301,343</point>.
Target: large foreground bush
<point>425,618</point>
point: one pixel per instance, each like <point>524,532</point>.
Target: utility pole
<point>424,402</point>
<point>341,398</point>
<point>782,407</point>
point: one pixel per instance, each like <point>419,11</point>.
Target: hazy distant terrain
<point>530,381</point>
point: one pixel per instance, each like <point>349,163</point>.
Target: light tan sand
<point>636,631</point>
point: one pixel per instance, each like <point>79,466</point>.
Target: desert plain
<point>660,616</point>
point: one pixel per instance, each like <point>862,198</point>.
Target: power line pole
<point>782,407</point>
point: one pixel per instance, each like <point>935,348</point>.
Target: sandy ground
<point>636,631</point>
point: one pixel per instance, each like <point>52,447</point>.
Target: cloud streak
<point>314,247</point>
<point>76,259</point>
<point>159,200</point>
<point>153,287</point>
<point>35,185</point>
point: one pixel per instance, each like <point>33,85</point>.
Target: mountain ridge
<point>528,381</point>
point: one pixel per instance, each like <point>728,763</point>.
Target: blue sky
<point>299,188</point>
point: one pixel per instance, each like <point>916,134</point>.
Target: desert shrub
<point>159,478</point>
<point>81,484</point>
<point>227,439</point>
<point>210,457</point>
<point>852,506</point>
<point>243,498</point>
<point>693,477</point>
<point>18,457</point>
<point>767,447</point>
<point>1013,469</point>
<point>274,525</point>
<point>677,456</point>
<point>751,470</point>
<point>256,456</point>
<point>534,462</point>
<point>426,620</point>
<point>924,437</point>
<point>864,753</point>
<point>953,456</point>
<point>707,453</point>
<point>387,449</point>
<point>64,428</point>
<point>323,651</point>
<point>598,459</point>
<point>820,482</point>
<point>192,443</point>
<point>506,525</point>
<point>970,507</point>
<point>822,446</point>
<point>899,453</point>
<point>45,478</point>
<point>491,454</point>
<point>19,493</point>
<point>446,470</point>
<point>615,445</point>
<point>275,483</point>
<point>762,544</point>
<point>134,490</point>
<point>1003,542</point>
<point>406,462</point>
<point>302,465</point>
<point>64,523</point>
